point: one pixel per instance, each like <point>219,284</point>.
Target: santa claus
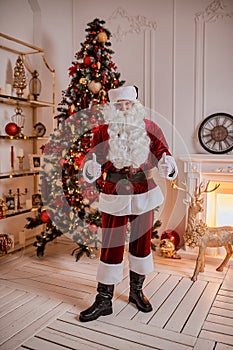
<point>124,151</point>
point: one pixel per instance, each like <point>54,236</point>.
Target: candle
<point>12,157</point>
<point>20,152</point>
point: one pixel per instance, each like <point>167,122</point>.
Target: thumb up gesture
<point>164,166</point>
<point>92,169</point>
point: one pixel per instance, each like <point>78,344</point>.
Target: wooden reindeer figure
<point>197,234</point>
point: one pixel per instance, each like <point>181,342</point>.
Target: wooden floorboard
<point>41,298</point>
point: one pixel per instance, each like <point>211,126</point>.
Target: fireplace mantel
<point>207,164</point>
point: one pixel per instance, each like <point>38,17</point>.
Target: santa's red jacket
<point>130,192</point>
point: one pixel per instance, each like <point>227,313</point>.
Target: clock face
<point>216,133</point>
<point>40,129</point>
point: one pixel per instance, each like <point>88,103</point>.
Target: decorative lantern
<point>18,118</point>
<point>35,85</point>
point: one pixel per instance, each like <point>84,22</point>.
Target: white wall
<point>181,58</point>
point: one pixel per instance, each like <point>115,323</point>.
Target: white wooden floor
<point>41,298</point>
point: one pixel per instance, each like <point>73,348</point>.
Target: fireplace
<point>218,205</point>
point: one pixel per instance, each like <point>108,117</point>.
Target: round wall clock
<point>39,129</point>
<point>216,133</point>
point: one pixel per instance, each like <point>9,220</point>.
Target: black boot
<point>136,295</point>
<point>102,305</point>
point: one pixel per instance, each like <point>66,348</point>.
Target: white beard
<point>129,144</point>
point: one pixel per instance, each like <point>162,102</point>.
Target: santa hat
<point>128,93</point>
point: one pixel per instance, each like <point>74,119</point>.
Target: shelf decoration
<point>35,162</point>
<point>12,159</point>
<point>39,129</point>
<point>36,200</point>
<point>20,157</point>
<point>35,85</point>
<point>18,195</point>
<point>3,209</point>
<point>10,201</point>
<point>12,129</point>
<point>18,118</point>
<point>19,82</point>
<point>6,243</point>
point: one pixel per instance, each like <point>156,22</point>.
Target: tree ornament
<point>94,86</point>
<point>19,82</point>
<point>102,37</point>
<point>93,228</point>
<point>83,81</point>
<point>12,129</point>
<point>87,61</point>
<point>44,216</point>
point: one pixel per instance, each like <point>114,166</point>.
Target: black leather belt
<point>134,178</point>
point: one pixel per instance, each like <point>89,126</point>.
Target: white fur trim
<point>134,204</point>
<point>123,93</point>
<point>110,273</point>
<point>142,266</point>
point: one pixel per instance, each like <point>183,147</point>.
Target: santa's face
<point>123,105</point>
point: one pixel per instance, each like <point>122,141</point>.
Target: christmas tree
<point>70,202</point>
<point>92,73</point>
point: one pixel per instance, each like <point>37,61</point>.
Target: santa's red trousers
<point>114,230</point>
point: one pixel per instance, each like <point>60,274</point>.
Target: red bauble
<point>91,194</point>
<point>93,228</point>
<point>87,61</point>
<point>44,216</point>
<point>172,235</point>
<point>12,129</point>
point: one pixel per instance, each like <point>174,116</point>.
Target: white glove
<point>91,170</point>
<point>167,167</point>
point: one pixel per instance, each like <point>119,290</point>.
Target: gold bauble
<point>94,86</point>
<point>98,65</point>
<point>82,81</point>
<point>102,37</point>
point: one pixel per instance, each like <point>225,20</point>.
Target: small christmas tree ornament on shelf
<point>19,82</point>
